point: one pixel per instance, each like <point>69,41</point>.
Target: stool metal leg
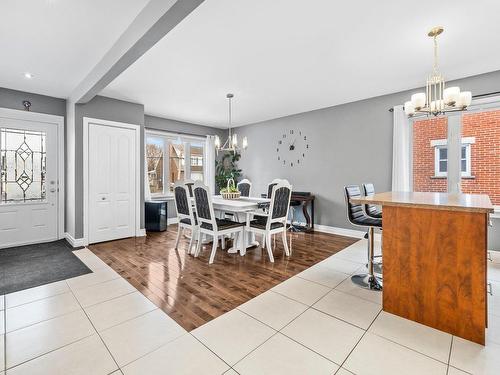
<point>369,280</point>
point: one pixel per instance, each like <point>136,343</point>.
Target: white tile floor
<point>314,323</point>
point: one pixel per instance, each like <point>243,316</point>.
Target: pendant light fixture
<point>231,144</point>
<point>437,99</point>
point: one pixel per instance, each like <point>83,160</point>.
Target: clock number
<point>291,164</point>
<point>307,146</point>
<point>303,155</point>
<point>305,138</point>
<point>284,162</point>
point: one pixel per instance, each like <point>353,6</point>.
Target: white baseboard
<point>172,220</point>
<point>141,232</point>
<point>75,242</point>
<point>344,231</point>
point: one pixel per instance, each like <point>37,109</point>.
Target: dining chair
<point>189,183</point>
<point>245,187</point>
<point>185,213</point>
<point>271,185</point>
<point>209,224</point>
<point>274,220</point>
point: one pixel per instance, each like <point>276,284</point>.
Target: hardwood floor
<point>192,292</point>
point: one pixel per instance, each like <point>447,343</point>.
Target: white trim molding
<point>137,129</point>
<point>75,242</point>
<point>444,142</point>
<point>172,220</point>
<point>59,122</point>
<point>343,231</point>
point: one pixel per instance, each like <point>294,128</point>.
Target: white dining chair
<point>209,224</point>
<point>186,216</point>
<point>274,220</point>
<point>245,187</point>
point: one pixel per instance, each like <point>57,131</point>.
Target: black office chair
<point>371,209</point>
<point>357,216</point>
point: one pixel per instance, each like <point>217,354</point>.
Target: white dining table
<point>239,208</point>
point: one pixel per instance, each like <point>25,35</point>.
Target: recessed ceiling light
<point>28,75</point>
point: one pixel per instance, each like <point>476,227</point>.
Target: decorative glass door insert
<point>23,163</point>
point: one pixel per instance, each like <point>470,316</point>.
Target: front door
<point>28,182</point>
<point>112,182</point>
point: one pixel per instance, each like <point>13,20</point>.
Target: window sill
<point>162,198</point>
<point>445,177</point>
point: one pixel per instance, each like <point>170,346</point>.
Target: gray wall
<point>13,99</point>
<point>105,109</point>
<point>159,123</point>
<point>164,124</point>
<point>349,144</point>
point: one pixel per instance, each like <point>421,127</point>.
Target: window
<point>196,161</point>
<point>166,157</point>
<point>154,158</point>
<point>478,132</point>
<point>23,157</point>
<point>441,160</point>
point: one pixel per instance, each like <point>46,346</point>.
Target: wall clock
<point>292,148</point>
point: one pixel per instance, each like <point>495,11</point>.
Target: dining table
<point>239,208</point>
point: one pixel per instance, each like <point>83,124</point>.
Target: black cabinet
<point>156,216</point>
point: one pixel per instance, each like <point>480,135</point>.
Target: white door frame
<point>137,130</point>
<point>59,122</point>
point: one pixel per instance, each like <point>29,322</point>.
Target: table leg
<point>249,237</point>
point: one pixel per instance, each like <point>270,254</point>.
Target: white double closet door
<point>112,174</point>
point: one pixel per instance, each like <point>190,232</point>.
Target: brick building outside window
<point>480,154</point>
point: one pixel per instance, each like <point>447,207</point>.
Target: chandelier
<point>437,99</point>
<point>231,143</point>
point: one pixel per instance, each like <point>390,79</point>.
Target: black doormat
<point>28,266</point>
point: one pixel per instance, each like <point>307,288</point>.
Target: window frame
<point>440,144</point>
<point>168,139</point>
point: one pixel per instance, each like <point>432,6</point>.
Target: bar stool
<point>370,209</point>
<point>357,217</point>
<point>375,212</point>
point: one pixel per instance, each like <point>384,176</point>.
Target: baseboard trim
<point>74,242</point>
<point>343,231</point>
<point>141,232</point>
<point>172,220</point>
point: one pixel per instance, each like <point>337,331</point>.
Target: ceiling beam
<point>154,22</point>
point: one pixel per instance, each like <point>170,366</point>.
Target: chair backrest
<point>183,202</point>
<point>369,189</point>
<point>271,185</point>
<point>189,184</point>
<point>354,210</point>
<point>245,187</point>
<point>203,204</point>
<point>280,202</point>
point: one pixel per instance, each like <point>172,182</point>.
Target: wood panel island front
<point>434,259</point>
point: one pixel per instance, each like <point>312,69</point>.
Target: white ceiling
<point>288,56</point>
<point>58,41</point>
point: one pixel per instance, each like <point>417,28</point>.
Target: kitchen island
<point>434,259</point>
